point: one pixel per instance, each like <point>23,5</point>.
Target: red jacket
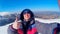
<point>20,31</point>
<point>33,31</point>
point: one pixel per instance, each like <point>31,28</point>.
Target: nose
<point>26,14</point>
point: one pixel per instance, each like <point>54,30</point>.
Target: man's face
<point>26,16</point>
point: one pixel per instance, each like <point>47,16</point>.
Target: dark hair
<point>58,25</point>
<point>26,11</point>
<point>25,27</point>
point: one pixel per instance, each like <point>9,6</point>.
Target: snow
<point>4,13</point>
<point>48,20</point>
<point>3,29</point>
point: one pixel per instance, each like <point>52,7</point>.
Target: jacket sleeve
<point>54,31</point>
<point>34,28</point>
<point>11,30</point>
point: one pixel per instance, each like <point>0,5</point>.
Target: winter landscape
<point>42,24</point>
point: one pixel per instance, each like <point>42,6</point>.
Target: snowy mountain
<point>4,13</point>
<point>41,24</point>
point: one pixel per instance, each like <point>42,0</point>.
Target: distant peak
<point>4,13</point>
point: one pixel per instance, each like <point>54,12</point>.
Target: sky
<point>34,5</point>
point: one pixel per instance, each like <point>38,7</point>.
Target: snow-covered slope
<point>3,29</point>
<point>48,20</point>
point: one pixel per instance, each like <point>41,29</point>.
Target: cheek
<point>29,16</point>
<point>26,16</point>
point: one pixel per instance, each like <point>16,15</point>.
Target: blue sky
<point>34,5</point>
